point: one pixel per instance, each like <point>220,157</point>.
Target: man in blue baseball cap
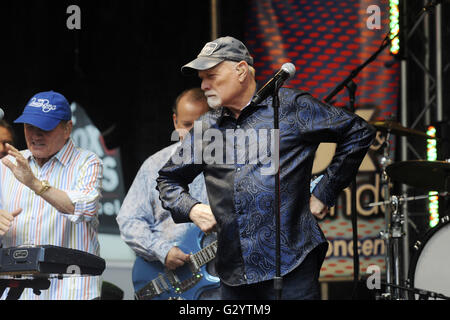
<point>47,124</point>
<point>49,193</point>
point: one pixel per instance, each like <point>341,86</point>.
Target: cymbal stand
<point>385,161</point>
<point>396,233</point>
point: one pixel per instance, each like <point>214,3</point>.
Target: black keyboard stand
<point>16,286</point>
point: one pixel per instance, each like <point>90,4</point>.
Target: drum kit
<point>428,275</point>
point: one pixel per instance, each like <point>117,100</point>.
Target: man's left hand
<point>317,207</point>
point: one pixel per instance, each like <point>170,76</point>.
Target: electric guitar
<point>153,281</point>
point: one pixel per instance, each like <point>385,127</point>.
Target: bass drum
<point>430,262</point>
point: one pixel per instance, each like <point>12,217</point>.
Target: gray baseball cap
<point>214,52</point>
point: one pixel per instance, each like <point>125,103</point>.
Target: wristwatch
<point>45,186</point>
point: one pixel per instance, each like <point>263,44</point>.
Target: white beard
<point>214,101</point>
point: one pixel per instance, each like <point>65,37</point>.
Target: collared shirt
<point>241,186</point>
<point>144,224</point>
<point>78,173</point>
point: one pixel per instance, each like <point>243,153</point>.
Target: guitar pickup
<point>189,283</point>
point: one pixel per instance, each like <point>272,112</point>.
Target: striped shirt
<point>77,172</point>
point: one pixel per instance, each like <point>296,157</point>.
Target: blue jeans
<point>302,283</point>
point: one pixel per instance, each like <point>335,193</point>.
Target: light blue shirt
<point>144,224</point>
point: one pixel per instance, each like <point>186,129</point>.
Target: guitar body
<point>153,281</point>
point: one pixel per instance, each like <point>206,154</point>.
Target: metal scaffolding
<point>421,65</point>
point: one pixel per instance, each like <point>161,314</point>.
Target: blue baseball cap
<point>45,110</point>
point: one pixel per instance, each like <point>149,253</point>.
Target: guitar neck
<point>205,255</point>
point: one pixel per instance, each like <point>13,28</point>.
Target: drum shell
<point>429,267</point>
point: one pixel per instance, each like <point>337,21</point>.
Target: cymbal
<point>397,128</point>
<point>430,175</point>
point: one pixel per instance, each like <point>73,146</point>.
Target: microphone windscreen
<point>289,68</point>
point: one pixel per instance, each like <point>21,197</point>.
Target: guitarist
<point>144,225</point>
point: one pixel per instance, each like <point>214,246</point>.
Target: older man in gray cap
<point>242,197</point>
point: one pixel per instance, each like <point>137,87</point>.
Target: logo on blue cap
<point>42,103</point>
<point>45,110</point>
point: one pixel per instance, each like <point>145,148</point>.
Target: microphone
<point>287,71</point>
<point>2,114</point>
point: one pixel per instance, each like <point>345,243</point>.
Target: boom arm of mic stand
<point>357,70</point>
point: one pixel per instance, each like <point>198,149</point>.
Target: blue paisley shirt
<point>242,195</point>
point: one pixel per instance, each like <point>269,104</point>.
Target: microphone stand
<point>351,87</point>
<point>278,280</point>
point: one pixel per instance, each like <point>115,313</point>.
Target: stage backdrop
<point>87,136</point>
<point>326,40</point>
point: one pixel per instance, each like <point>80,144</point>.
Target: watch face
<point>45,186</point>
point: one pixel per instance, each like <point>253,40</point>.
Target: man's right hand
<point>203,217</point>
<point>176,258</point>
<point>6,219</point>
